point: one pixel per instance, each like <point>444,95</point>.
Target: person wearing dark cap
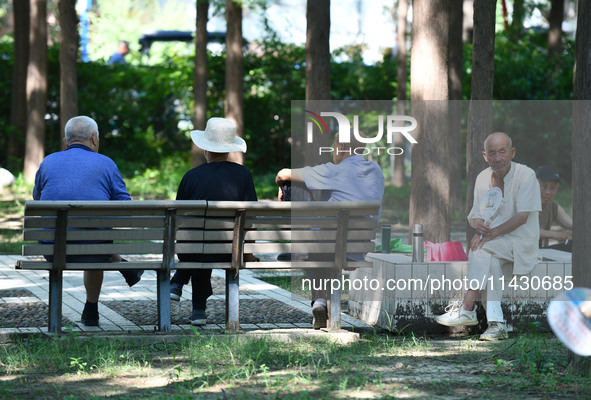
<point>552,212</point>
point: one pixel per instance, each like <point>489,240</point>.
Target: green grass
<point>378,366</point>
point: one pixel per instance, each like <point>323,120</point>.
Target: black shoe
<point>198,317</point>
<point>90,315</point>
<point>284,257</point>
<point>132,276</point>
<point>320,314</point>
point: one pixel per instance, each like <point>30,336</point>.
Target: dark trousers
<point>201,283</point>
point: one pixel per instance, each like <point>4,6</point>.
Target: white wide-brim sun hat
<point>219,136</point>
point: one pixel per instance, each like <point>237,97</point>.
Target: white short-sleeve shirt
<point>521,194</point>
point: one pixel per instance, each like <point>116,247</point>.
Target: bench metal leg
<point>163,298</point>
<point>232,293</point>
<point>55,301</point>
<point>334,311</point>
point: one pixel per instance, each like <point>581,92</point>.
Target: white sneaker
<point>495,331</point>
<point>456,315</point>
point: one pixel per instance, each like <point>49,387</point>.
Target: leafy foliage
<point>145,112</point>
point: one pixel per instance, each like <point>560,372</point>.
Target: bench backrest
<point>167,228</point>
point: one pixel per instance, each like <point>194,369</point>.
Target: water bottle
<point>418,253</point>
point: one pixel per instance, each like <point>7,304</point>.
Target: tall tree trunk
<point>36,89</point>
<point>456,57</point>
<point>398,172</point>
<point>480,114</point>
<point>555,32</point>
<point>318,50</point>
<point>68,58</point>
<point>430,176</point>
<point>317,70</point>
<point>200,86</point>
<point>518,18</point>
<point>234,104</point>
<point>581,160</point>
<point>18,109</point>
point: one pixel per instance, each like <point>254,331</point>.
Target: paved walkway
<point>115,289</point>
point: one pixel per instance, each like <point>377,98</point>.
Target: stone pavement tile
<point>303,325</point>
<point>267,326</point>
<point>249,326</point>
<point>29,330</point>
<point>283,325</point>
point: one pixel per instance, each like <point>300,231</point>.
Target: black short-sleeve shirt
<point>224,180</point>
<point>217,181</point>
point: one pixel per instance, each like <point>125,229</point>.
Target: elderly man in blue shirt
<point>81,173</point>
<point>350,177</point>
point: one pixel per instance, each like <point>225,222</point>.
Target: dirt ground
<point>413,368</point>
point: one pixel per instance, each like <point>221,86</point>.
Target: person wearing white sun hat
<point>218,179</point>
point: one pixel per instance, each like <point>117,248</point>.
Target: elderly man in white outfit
<point>512,236</point>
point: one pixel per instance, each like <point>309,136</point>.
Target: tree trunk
<point>582,147</point>
<point>18,109</point>
<point>480,114</point>
<point>234,104</point>
<point>456,57</point>
<point>555,32</point>
<point>318,50</point>
<point>200,86</point>
<point>518,18</point>
<point>581,161</point>
<point>317,71</point>
<point>36,89</point>
<point>398,172</point>
<point>430,177</point>
<point>68,58</point>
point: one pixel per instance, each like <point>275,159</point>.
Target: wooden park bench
<point>166,228</point>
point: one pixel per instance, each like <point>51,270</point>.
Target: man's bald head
<point>498,153</point>
<point>497,137</point>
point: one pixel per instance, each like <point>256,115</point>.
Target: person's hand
<point>481,227</point>
<point>280,194</point>
<point>283,176</point>
<point>477,241</point>
<point>562,236</point>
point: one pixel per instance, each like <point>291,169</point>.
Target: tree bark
<point>480,114</point>
<point>456,57</point>
<point>18,109</point>
<point>36,89</point>
<point>317,72</point>
<point>518,18</point>
<point>234,104</point>
<point>555,32</point>
<point>318,50</point>
<point>430,176</point>
<point>200,85</point>
<point>68,59</point>
<point>582,147</point>
<point>398,177</point>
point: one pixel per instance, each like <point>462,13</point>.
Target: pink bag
<point>448,251</point>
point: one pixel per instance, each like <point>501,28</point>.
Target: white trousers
<point>485,272</point>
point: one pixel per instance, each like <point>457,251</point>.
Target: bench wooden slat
<point>106,248</point>
<point>134,206</point>
<point>312,248</point>
<point>97,234</point>
<point>288,223</point>
<point>83,222</point>
<point>44,265</point>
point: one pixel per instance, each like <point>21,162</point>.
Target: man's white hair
<point>80,129</point>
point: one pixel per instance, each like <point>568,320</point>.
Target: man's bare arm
<point>289,175</point>
<point>507,227</point>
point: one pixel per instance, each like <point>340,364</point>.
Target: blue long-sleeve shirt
<point>78,173</point>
